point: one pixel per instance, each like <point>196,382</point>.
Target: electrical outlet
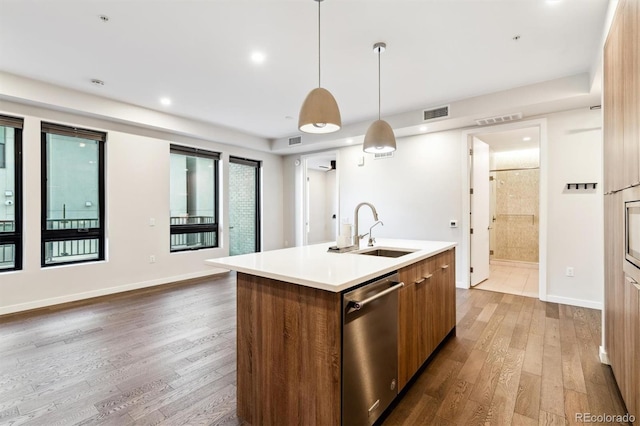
<point>152,221</point>
<point>152,259</point>
<point>569,272</point>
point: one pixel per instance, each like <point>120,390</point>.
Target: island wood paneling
<point>288,353</point>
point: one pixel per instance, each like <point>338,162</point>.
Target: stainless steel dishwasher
<point>370,350</point>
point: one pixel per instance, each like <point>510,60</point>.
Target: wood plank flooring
<point>166,356</point>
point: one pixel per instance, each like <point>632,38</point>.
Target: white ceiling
<point>198,52</point>
<point>512,140</point>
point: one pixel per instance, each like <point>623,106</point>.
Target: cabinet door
<point>425,295</point>
<point>407,329</point>
<point>631,89</point>
<point>629,389</point>
<point>443,301</point>
<point>613,103</point>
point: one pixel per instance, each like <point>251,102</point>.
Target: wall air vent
<point>297,140</point>
<point>382,155</point>
<point>435,113</point>
<point>499,119</point>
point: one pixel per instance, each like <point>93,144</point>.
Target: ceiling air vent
<point>499,119</point>
<point>297,140</point>
<point>382,155</point>
<point>435,113</point>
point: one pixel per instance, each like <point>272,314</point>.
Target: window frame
<point>203,227</point>
<point>16,236</point>
<point>258,166</point>
<point>52,235</point>
<point>3,154</point>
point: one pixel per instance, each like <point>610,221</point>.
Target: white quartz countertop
<point>313,266</point>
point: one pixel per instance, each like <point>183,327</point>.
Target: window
<point>10,193</point>
<point>193,198</point>
<point>72,195</point>
<point>244,206</point>
<point>3,150</point>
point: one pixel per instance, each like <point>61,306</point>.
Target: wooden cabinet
<point>427,314</point>
<point>622,182</point>
<point>622,98</point>
<point>630,91</point>
<point>612,108</point>
<point>630,377</point>
<point>289,341</point>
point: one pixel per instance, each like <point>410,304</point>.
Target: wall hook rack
<point>582,185</point>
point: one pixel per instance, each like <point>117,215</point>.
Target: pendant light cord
<point>379,103</point>
<point>319,1</point>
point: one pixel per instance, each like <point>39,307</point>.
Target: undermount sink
<point>385,252</point>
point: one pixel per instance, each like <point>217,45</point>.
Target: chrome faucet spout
<point>357,236</point>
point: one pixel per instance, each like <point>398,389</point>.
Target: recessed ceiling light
<point>423,128</point>
<point>165,101</point>
<point>349,141</point>
<point>258,57</point>
<point>553,1</point>
<point>526,139</point>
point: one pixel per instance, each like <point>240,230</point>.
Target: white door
<point>480,212</point>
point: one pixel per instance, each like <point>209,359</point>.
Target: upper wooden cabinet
<point>622,98</point>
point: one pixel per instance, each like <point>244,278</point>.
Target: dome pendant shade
<point>319,113</point>
<point>379,138</point>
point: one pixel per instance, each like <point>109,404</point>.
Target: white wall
<point>575,218</point>
<point>137,189</point>
<point>416,192</point>
<point>421,188</point>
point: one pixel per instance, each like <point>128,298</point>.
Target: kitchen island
<point>290,317</point>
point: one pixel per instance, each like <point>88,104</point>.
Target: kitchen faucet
<point>357,237</point>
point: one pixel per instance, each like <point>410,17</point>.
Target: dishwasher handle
<point>357,305</point>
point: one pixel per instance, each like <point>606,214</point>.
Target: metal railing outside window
<point>11,194</point>
<point>193,198</point>
<point>73,195</point>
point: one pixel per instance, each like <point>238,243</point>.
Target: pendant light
<point>319,112</point>
<point>379,137</point>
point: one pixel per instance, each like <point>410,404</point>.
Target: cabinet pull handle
<point>444,266</point>
<point>421,280</point>
<point>426,277</point>
<point>633,282</point>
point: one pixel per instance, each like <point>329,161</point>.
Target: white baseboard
<point>35,304</point>
<point>604,356</point>
<point>574,302</point>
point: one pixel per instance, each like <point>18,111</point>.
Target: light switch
<point>152,221</point>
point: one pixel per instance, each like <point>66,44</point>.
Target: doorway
<point>244,206</point>
<point>505,211</point>
<point>320,195</point>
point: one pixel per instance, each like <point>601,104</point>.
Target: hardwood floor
<point>166,356</point>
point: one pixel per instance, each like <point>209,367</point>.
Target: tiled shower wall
<point>517,200</point>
